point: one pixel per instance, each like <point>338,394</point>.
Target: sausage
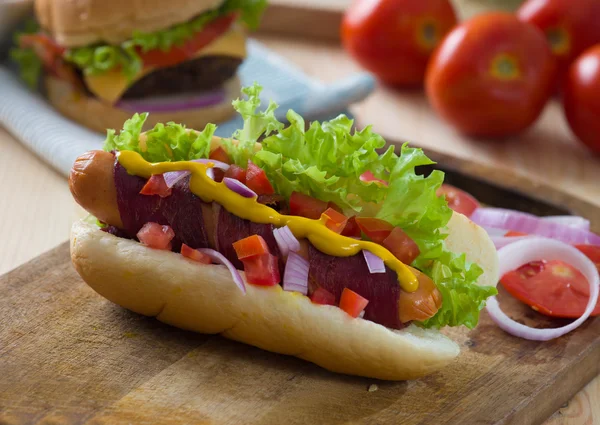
<point>92,185</point>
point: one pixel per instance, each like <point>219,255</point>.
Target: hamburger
<point>102,60</point>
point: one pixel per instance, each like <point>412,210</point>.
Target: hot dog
<point>395,335</point>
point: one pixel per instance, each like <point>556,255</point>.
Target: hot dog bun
<point>203,298</point>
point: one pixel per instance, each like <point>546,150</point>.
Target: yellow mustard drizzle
<point>324,239</point>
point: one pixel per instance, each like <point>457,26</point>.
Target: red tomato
<point>570,26</point>
<point>592,252</point>
<point>514,233</point>
<point>581,100</point>
<point>256,179</point>
<point>156,186</point>
<point>220,154</point>
<point>395,38</point>
<point>369,177</point>
<point>459,200</point>
<point>262,270</point>
<point>178,54</point>
<point>306,206</point>
<point>491,76</point>
<point>322,296</point>
<point>156,236</point>
<point>554,288</point>
<point>352,229</point>
<point>374,228</point>
<point>402,246</point>
<point>250,247</point>
<point>352,303</point>
<point>236,172</point>
<point>195,255</point>
<point>335,221</point>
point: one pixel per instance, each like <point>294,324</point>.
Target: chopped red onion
<point>173,177</point>
<point>286,241</point>
<point>527,223</point>
<point>239,187</point>
<point>515,255</point>
<point>374,263</point>
<point>217,164</point>
<point>217,257</point>
<point>295,277</point>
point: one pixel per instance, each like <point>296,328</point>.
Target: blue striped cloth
<point>58,141</point>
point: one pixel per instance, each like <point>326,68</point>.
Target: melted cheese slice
<point>111,85</point>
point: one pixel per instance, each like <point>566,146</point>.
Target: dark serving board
<point>68,356</point>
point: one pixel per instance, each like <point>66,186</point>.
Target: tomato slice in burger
<point>459,200</point>
<point>552,288</point>
<point>201,39</point>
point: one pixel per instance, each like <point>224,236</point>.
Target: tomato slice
<point>262,270</point>
<point>156,236</point>
<point>369,177</point>
<point>178,54</point>
<point>156,185</point>
<point>592,252</point>
<point>195,255</point>
<point>322,296</point>
<point>352,230</point>
<point>374,228</point>
<point>402,246</point>
<point>334,220</point>
<point>220,154</point>
<point>43,46</point>
<point>421,304</point>
<point>256,179</point>
<point>352,303</point>
<point>236,172</point>
<point>306,206</point>
<point>250,247</point>
<point>553,288</point>
<point>459,200</point>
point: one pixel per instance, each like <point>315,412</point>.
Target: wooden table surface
<point>37,209</point>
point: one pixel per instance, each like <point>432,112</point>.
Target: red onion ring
<point>517,254</point>
<point>374,263</point>
<point>173,103</point>
<point>217,257</point>
<point>527,223</point>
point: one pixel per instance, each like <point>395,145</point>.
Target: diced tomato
<point>236,172</point>
<point>592,252</point>
<point>374,228</point>
<point>402,246</point>
<point>334,206</point>
<point>178,54</point>
<point>270,199</point>
<point>306,206</point>
<point>220,154</point>
<point>352,230</point>
<point>256,179</point>
<point>250,247</point>
<point>154,235</point>
<point>262,270</point>
<point>156,186</point>
<point>352,303</point>
<point>194,254</point>
<point>459,200</point>
<point>514,233</point>
<point>334,220</point>
<point>554,288</point>
<point>322,296</point>
<point>368,177</point>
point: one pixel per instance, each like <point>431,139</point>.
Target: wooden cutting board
<point>68,356</point>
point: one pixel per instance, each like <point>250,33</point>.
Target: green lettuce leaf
<point>30,65</point>
<point>326,161</point>
<point>97,59</point>
<point>165,142</point>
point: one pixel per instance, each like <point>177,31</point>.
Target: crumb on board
<point>372,388</point>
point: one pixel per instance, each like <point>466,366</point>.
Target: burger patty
<point>201,74</point>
